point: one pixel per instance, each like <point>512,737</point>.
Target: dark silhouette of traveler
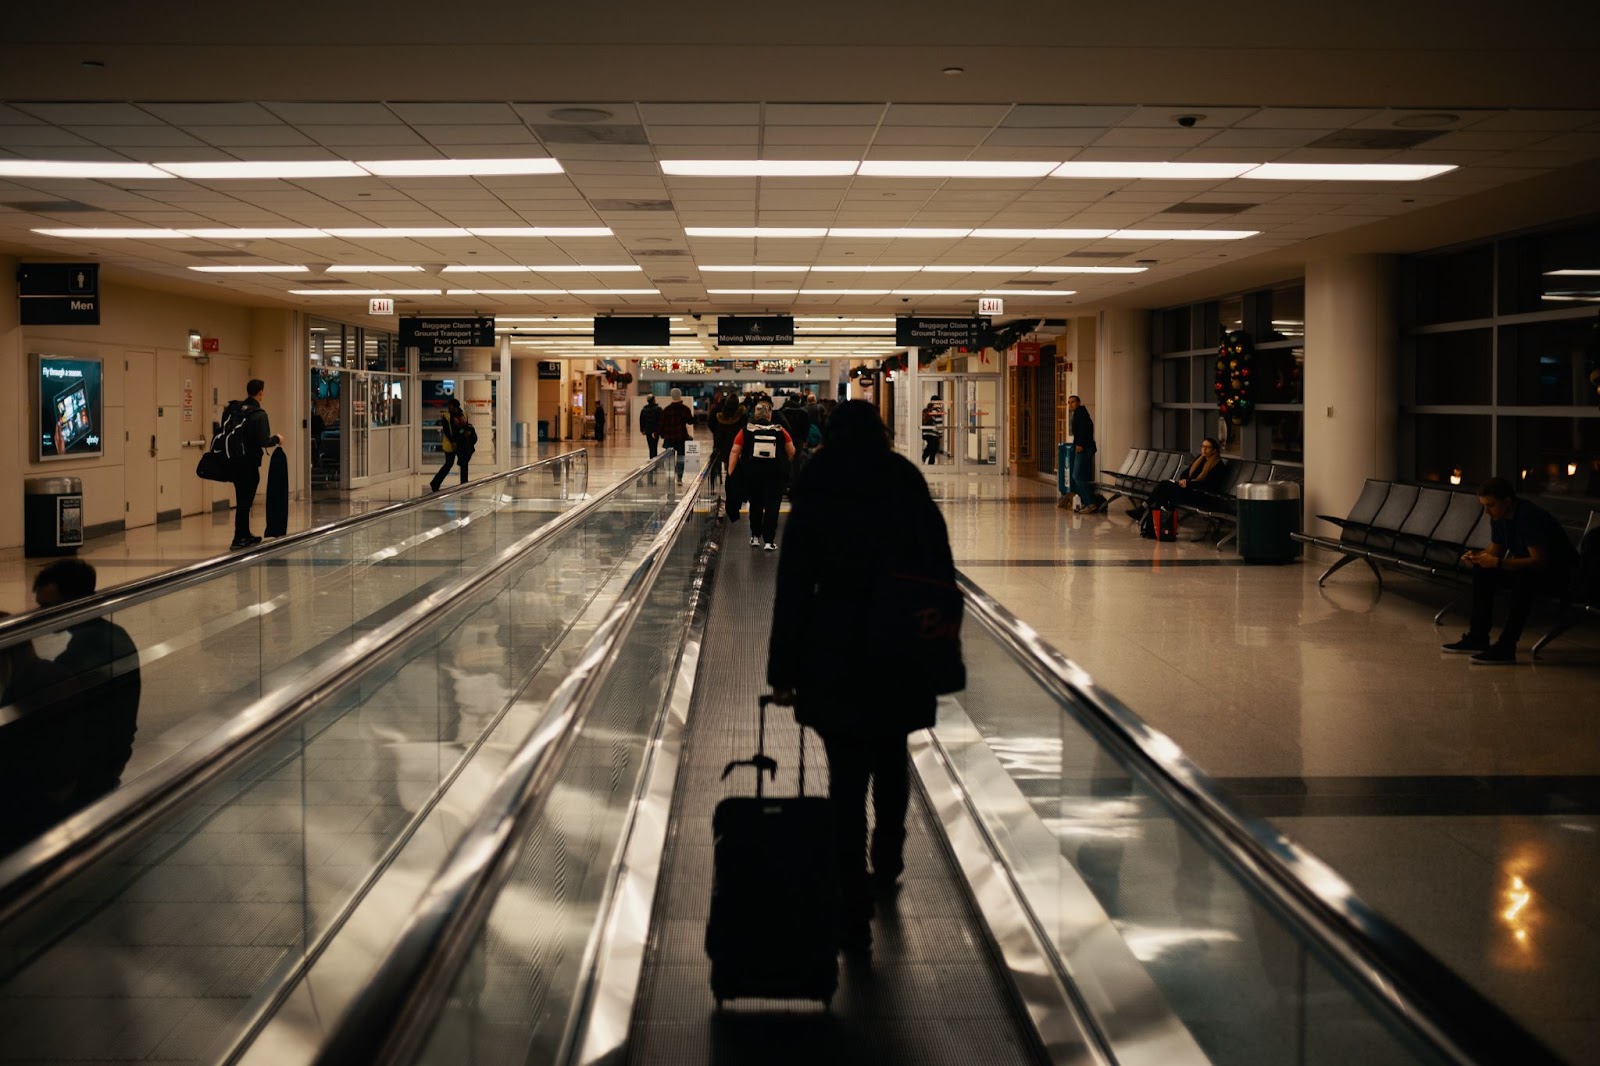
<point>38,736</point>
<point>258,437</point>
<point>858,510</point>
<point>674,425</point>
<point>758,462</point>
<point>103,663</point>
<point>1529,555</point>
<point>1194,483</point>
<point>600,425</point>
<point>649,424</point>
<point>932,421</point>
<point>458,439</point>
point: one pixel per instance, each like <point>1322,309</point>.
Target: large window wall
<point>1184,342</point>
<point>359,414</point>
<point>1499,340</point>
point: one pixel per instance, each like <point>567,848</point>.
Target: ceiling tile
<point>815,135</point>
<point>987,115</point>
<point>116,136</point>
<point>634,152</point>
<point>700,114</point>
<point>1260,138</point>
<point>679,135</point>
<point>159,153</point>
<point>341,137</point>
<point>1032,115</point>
<point>1042,137</point>
<point>931,136</point>
<point>38,137</point>
<point>233,114</point>
<point>1205,117</point>
<point>317,114</point>
<point>74,114</point>
<point>711,151</point>
<point>538,113</point>
<point>823,114</point>
<point>1306,118</point>
<point>1153,137</point>
<point>1481,140</point>
<point>486,114</point>
<point>478,134</point>
<point>249,136</point>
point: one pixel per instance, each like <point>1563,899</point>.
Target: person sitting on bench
<point>1529,555</point>
<point>1203,476</point>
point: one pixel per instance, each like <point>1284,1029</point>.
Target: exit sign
<point>991,305</point>
<point>380,305</point>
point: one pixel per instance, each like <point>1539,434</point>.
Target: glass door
<point>959,416</point>
<point>479,394</point>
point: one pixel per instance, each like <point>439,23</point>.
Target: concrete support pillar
<point>1352,408</point>
<point>1121,394</point>
<point>524,379</point>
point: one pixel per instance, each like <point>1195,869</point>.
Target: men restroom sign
<point>59,294</point>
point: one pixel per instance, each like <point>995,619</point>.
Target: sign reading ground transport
<point>755,329</point>
<point>436,339</point>
<point>939,333</point>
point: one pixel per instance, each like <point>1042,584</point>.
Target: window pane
<point>1528,266</point>
<point>1453,367</point>
<point>1279,375</point>
<point>1453,444</point>
<point>1230,314</point>
<point>1172,330</point>
<point>1174,380</point>
<point>1545,362</point>
<point>1452,288</point>
<point>1210,331</point>
<point>1280,436</point>
<point>1286,313</point>
<point>1555,456</point>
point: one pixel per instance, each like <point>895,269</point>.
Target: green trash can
<point>52,516</point>
<point>1268,512</point>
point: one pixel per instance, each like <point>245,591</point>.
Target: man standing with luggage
<point>258,437</point>
<point>674,427</point>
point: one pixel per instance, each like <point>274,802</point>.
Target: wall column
<point>524,378</point>
<point>1121,397</point>
<point>17,445</point>
<point>1352,408</point>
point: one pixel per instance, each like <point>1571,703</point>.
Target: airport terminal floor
<point>1460,804</point>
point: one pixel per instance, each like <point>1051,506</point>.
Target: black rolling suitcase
<point>773,932</point>
<point>277,494</point>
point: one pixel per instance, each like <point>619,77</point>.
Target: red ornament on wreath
<point>1233,377</point>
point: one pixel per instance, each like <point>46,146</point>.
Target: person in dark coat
<point>458,439</point>
<point>1194,485</point>
<point>649,424</point>
<point>247,471</point>
<point>858,508</point>
<point>40,706</point>
<point>728,419</point>
<point>103,662</point>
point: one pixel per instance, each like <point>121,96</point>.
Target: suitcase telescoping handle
<point>760,760</point>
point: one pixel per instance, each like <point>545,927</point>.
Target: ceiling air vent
<point>1093,255</point>
<point>631,205</point>
<point>1376,139</point>
<point>591,134</point>
<point>320,281</point>
<point>658,253</point>
<point>1197,207</point>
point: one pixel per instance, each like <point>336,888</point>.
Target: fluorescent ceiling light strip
<point>506,292</point>
<point>540,231</point>
<point>54,168</point>
<point>252,269</point>
<point>1348,171</point>
<point>865,269</point>
<point>969,168</point>
<point>755,231</point>
<point>892,234</point>
<point>400,168</point>
<point>338,292</point>
<point>847,292</point>
<point>485,270</point>
<point>1183,234</point>
<point>613,292</point>
<point>87,233</point>
<point>360,232</point>
<point>840,318</point>
<point>752,292</point>
<point>412,292</point>
<point>256,234</point>
<point>1572,273</point>
<point>1042,234</point>
<point>1033,270</point>
<point>390,269</point>
<point>760,168</point>
<point>1103,169</point>
<point>750,269</point>
<point>1030,292</point>
<point>235,169</point>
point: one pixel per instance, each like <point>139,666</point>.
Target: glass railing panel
<point>1151,923</point>
<point>514,999</point>
<point>176,942</point>
<point>176,666</point>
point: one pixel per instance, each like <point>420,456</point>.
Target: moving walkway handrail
<point>390,1019</point>
<point>141,590</point>
<point>1442,1008</point>
<point>34,870</point>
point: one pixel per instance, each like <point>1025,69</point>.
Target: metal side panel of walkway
<point>931,991</point>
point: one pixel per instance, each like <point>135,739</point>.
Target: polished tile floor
<point>1460,801</point>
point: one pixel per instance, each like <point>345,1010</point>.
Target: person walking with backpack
<point>760,458</point>
<point>650,424</point>
<point>674,427</point>
<point>458,439</point>
<point>248,433</point>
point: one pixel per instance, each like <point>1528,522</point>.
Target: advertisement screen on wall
<point>70,413</point>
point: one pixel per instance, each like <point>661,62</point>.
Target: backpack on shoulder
<point>230,445</point>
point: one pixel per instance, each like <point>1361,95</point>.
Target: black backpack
<point>763,446</point>
<point>230,445</point>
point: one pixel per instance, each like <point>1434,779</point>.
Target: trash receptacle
<point>1268,511</point>
<point>52,515</point>
<point>1063,471</point>
<point>544,431</point>
<point>519,435</point>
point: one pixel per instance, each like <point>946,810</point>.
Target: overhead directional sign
<point>436,339</point>
<point>59,294</point>
<point>755,329</point>
<point>939,333</point>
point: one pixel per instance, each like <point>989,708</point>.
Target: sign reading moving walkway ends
<point>755,329</point>
<point>939,333</point>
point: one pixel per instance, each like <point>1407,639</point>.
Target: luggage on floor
<point>1159,523</point>
<point>773,931</point>
<point>277,494</point>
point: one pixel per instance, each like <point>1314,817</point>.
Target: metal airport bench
<point>1143,469</point>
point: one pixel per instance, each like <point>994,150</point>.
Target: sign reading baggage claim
<point>59,294</point>
<point>436,339</point>
<point>939,333</point>
<point>755,329</point>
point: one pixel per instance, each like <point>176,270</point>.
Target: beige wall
<point>142,333</point>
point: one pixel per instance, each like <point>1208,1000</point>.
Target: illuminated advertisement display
<point>69,407</point>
